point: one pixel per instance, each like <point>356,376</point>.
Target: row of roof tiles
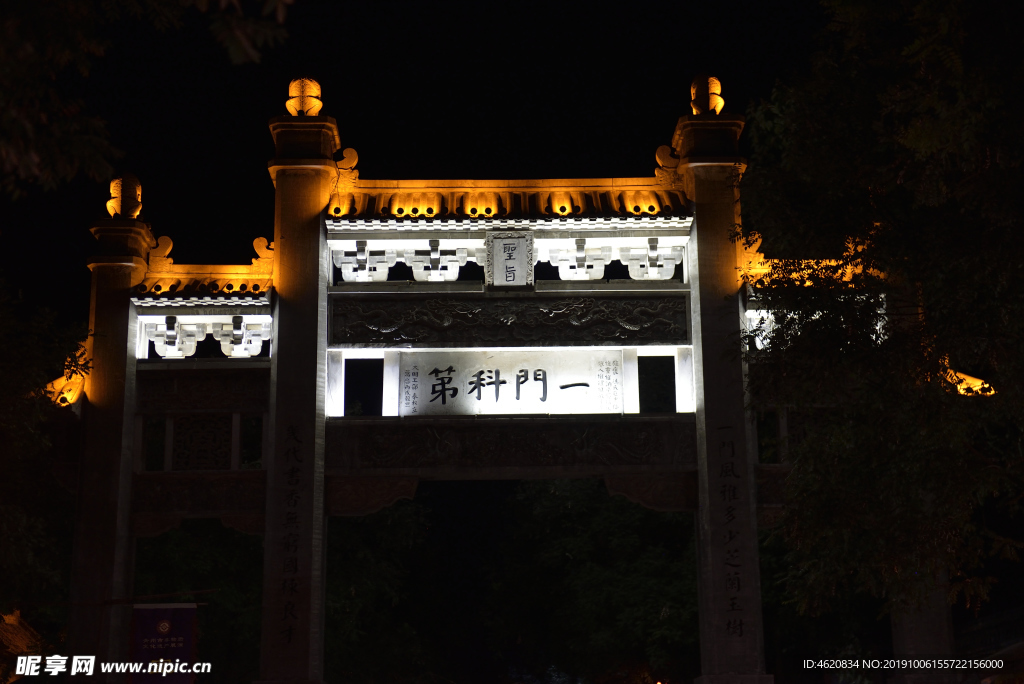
<point>508,204</point>
<point>204,288</point>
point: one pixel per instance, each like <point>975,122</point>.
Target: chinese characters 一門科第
<point>491,377</point>
<point>440,389</point>
<point>486,378</point>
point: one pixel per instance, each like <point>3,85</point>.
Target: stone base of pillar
<point>925,678</point>
<point>925,632</point>
<point>735,679</point>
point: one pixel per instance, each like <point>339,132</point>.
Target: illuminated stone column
<point>731,633</point>
<point>103,551</point>
<point>293,569</point>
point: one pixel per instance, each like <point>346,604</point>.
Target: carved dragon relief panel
<point>477,445</point>
<point>512,321</point>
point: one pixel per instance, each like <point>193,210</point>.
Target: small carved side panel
<point>202,441</point>
<point>512,321</point>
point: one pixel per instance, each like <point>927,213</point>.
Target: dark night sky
<point>420,90</point>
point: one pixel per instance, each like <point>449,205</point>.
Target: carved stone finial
<point>163,248</point>
<point>125,197</point>
<point>706,95</point>
<point>666,160</point>
<point>304,97</point>
<point>349,159</point>
<point>264,263</point>
<point>263,249</point>
<point>159,256</point>
<point>341,197</point>
<point>668,169</point>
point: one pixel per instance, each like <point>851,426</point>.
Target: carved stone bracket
<point>668,492</point>
<point>432,265</point>
<point>173,339</point>
<point>240,337</point>
<point>364,495</point>
<point>526,321</point>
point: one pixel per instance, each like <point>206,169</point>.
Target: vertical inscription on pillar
<point>732,534</point>
<point>732,565</point>
<point>291,533</point>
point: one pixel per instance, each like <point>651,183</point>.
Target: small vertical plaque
<point>509,259</point>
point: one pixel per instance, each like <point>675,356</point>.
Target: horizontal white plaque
<point>460,383</point>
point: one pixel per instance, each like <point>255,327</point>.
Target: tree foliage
<point>47,48</point>
<point>895,164</point>
<point>597,587</point>
<point>529,582</point>
<point>225,568</point>
<point>37,439</point>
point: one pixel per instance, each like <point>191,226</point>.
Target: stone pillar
<point>293,568</point>
<point>731,633</point>
<point>103,552</point>
<point>925,631</point>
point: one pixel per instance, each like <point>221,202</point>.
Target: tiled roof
<point>582,198</point>
<point>147,298</point>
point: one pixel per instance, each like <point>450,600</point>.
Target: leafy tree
<point>596,587</point>
<point>528,582</point>
<point>374,633</point>
<point>227,567</point>
<point>47,47</point>
<point>855,626</point>
<point>38,440</point>
<point>895,164</point>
